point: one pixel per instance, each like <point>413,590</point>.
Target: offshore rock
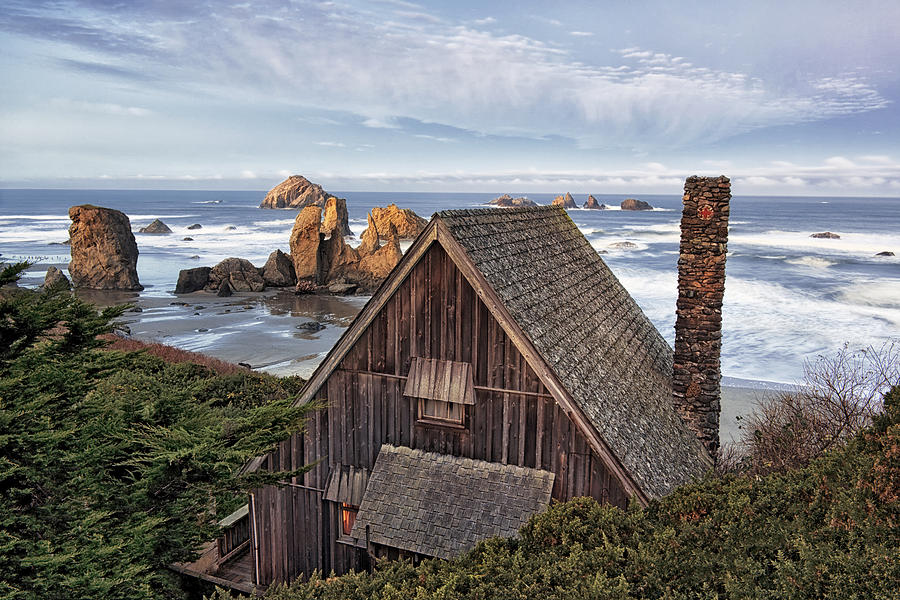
<point>56,278</point>
<point>369,242</point>
<point>304,242</point>
<point>566,201</point>
<point>156,226</point>
<point>192,280</point>
<point>224,289</point>
<point>885,253</point>
<point>104,253</point>
<point>633,204</point>
<point>507,201</point>
<point>826,235</point>
<point>379,264</point>
<point>407,223</point>
<point>195,226</point>
<point>279,270</point>
<point>295,192</point>
<point>239,273</point>
<point>592,203</point>
<point>335,217</point>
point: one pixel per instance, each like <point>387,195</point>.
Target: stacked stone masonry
<point>701,287</point>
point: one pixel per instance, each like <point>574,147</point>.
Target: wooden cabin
<point>499,367</point>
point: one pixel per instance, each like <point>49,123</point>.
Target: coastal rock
<point>633,204</point>
<point>370,241</point>
<point>566,201</point>
<point>339,259</point>
<point>187,239</point>
<point>195,226</point>
<point>279,270</point>
<point>885,253</point>
<point>592,203</point>
<point>304,242</point>
<point>341,289</point>
<point>104,253</point>
<point>507,201</point>
<point>56,278</point>
<point>379,264</point>
<point>239,273</point>
<point>826,235</point>
<point>156,226</point>
<point>295,192</point>
<point>225,290</point>
<point>192,280</point>
<point>407,223</point>
<point>335,217</point>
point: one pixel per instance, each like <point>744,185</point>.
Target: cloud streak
<point>408,63</point>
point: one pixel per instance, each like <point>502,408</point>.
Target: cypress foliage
<point>114,465</point>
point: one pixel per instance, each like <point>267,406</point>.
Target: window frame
<point>347,512</point>
<point>422,417</point>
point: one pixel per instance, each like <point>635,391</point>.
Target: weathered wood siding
<point>434,313</point>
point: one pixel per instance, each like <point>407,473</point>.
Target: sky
<point>785,97</point>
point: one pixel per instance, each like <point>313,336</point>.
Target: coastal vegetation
<point>115,464</point>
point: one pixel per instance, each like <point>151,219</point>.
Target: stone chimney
<point>698,325</point>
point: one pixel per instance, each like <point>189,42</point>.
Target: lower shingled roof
<point>440,505</point>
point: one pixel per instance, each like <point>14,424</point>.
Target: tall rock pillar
<point>701,287</point>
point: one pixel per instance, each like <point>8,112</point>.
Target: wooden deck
<point>235,574</point>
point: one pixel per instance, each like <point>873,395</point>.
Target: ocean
<point>788,298</point>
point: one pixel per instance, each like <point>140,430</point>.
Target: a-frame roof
<point>576,325</point>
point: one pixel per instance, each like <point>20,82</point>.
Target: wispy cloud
<point>103,108</point>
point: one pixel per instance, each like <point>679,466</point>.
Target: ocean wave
<point>814,262</point>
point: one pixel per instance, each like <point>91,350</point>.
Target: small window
<point>348,517</point>
<point>438,411</point>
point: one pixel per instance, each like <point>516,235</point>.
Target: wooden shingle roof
<point>441,505</point>
<point>587,328</point>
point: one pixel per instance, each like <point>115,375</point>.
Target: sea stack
<point>104,253</point>
<point>566,201</point>
<point>701,287</point>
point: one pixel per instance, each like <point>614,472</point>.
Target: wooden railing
<point>235,536</point>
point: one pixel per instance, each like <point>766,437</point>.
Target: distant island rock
<point>825,235</point>
<point>104,253</point>
<point>592,203</point>
<point>299,192</point>
<point>157,227</point>
<point>407,223</point>
<point>885,253</point>
<point>566,201</point>
<point>634,204</point>
<point>507,201</point>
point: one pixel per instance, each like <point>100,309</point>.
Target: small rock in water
<point>178,303</point>
<point>826,235</point>
<point>136,309</point>
<point>310,326</point>
<point>195,226</point>
<point>156,226</point>
<point>202,330</point>
<point>187,239</point>
<point>885,253</point>
<point>623,245</point>
<point>194,257</point>
<point>199,307</point>
<point>342,288</point>
<point>230,228</point>
<point>245,365</point>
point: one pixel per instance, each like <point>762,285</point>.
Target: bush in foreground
<point>115,464</point>
<point>828,530</point>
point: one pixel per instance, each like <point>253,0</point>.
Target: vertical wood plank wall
<point>434,313</point>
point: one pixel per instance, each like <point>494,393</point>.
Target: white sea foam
<point>813,262</point>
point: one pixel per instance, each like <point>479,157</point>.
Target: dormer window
<point>443,389</point>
